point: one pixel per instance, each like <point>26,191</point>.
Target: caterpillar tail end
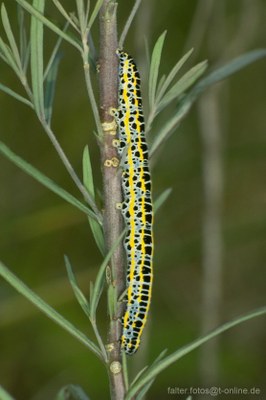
<point>129,346</point>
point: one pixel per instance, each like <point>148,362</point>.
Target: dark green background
<point>37,228</point>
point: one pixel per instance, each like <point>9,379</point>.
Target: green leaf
<point>228,69</point>
<point>54,54</point>
<point>171,125</point>
<point>50,76</point>
<point>94,13</point>
<point>87,172</point>
<point>91,290</point>
<point>128,23</point>
<point>72,392</point>
<point>139,374</point>
<point>7,56</point>
<point>154,68</point>
<point>14,281</point>
<point>172,75</point>
<point>48,23</point>
<point>15,95</point>
<point>78,293</point>
<point>44,180</point>
<point>144,390</point>
<point>10,36</point>
<point>65,14</point>
<point>112,300</point>
<point>175,91</point>
<point>50,89</point>
<point>98,288</point>
<point>87,10</point>
<point>183,84</point>
<point>125,369</point>
<point>4,395</point>
<point>3,56</point>
<point>24,47</point>
<point>146,387</point>
<point>89,185</point>
<point>160,86</point>
<point>36,51</point>
<point>97,232</point>
<point>161,199</point>
<point>214,77</point>
<point>81,15</point>
<point>100,278</point>
<point>152,371</point>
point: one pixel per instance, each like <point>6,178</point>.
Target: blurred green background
<point>193,230</point>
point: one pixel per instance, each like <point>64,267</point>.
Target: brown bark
<point>113,224</point>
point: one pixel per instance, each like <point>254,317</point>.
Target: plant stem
<point>112,220</point>
<point>70,169</point>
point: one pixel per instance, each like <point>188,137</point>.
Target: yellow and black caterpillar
<point>137,202</point>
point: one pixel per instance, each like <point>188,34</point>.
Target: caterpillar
<point>137,202</point>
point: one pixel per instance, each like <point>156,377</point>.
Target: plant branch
<point>112,220</point>
<point>71,171</point>
<point>92,97</point>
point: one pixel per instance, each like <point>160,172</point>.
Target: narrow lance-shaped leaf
<point>89,185</point>
<point>141,394</point>
<point>183,84</point>
<point>50,89</point>
<point>91,291</point>
<point>94,13</point>
<point>154,68</point>
<point>54,54</point>
<point>44,180</point>
<point>146,387</point>
<point>87,172</point>
<point>171,76</point>
<point>50,76</point>
<point>112,300</point>
<point>14,281</point>
<point>48,23</point>
<point>227,70</point>
<point>7,56</point>
<point>152,371</point>
<point>4,395</point>
<point>23,45</point>
<point>99,282</point>
<point>36,40</point>
<point>78,293</point>
<point>65,14</point>
<point>170,126</point>
<point>10,35</point>
<point>160,86</point>
<point>3,56</point>
<point>214,77</point>
<point>81,15</point>
<point>125,369</point>
<point>72,392</point>
<point>128,23</point>
<point>88,9</point>
<point>161,199</point>
<point>17,96</point>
